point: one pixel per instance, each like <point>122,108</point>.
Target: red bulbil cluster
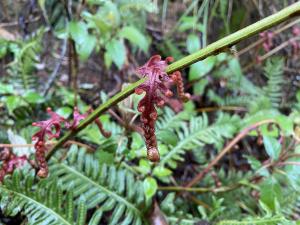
<point>77,117</point>
<point>268,40</point>
<point>50,129</point>
<point>295,43</point>
<point>10,162</point>
<point>154,87</point>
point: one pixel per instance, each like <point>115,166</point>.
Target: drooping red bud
<point>155,70</point>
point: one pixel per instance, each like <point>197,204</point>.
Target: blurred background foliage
<point>64,53</point>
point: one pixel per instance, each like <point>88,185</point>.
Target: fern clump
<point>111,190</point>
<point>274,88</point>
<point>42,202</point>
<point>197,133</point>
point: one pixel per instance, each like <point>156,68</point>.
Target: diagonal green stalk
<point>95,114</point>
<point>232,39</point>
<point>212,49</point>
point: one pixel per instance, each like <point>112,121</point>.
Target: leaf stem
<point>230,40</point>
<point>94,115</point>
<point>227,149</point>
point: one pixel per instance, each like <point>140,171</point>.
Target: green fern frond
<point>170,120</point>
<point>275,220</point>
<point>24,64</point>
<point>43,203</point>
<point>176,220</point>
<point>146,5</point>
<point>117,193</point>
<point>199,133</point>
<point>274,72</point>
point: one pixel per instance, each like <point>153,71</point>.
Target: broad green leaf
<point>96,21</point>
<point>144,166</point>
<point>167,137</point>
<point>272,146</point>
<point>78,31</point>
<point>285,122</point>
<point>85,43</point>
<point>105,157</point>
<point>3,48</point>
<point>117,52</point>
<point>257,166</point>
<point>86,48</point>
<point>192,43</point>
<point>147,5</point>
<point>161,171</point>
<point>199,86</point>
<point>64,111</point>
<point>201,68</point>
<point>190,22</point>
<point>33,97</point>
<point>270,190</point>
<point>109,14</point>
<point>135,37</point>
<point>95,2</point>
<point>107,60</point>
<point>13,102</point>
<point>150,187</point>
<point>6,88</point>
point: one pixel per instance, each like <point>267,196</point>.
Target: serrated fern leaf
<point>117,193</point>
<point>43,203</point>
<point>199,133</point>
<point>24,64</point>
<point>274,73</point>
<point>170,121</point>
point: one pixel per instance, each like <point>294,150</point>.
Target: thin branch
<point>95,114</point>
<point>223,108</point>
<point>232,39</point>
<point>272,52</point>
<point>56,69</point>
<point>260,41</point>
<point>231,144</point>
<point>200,189</point>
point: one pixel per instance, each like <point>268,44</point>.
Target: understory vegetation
<point>149,112</point>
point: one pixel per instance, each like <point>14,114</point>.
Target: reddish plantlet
<point>268,40</point>
<point>294,43</point>
<point>49,129</point>
<point>154,87</point>
<point>10,162</point>
<point>77,117</point>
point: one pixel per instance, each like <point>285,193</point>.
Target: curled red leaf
<point>49,129</point>
<point>268,40</point>
<point>154,87</point>
<point>77,117</point>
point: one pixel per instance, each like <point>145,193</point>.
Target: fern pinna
<point>41,203</point>
<point>75,185</point>
<point>116,193</point>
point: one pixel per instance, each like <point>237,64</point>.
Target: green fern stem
<point>212,49</point>
<point>232,39</point>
